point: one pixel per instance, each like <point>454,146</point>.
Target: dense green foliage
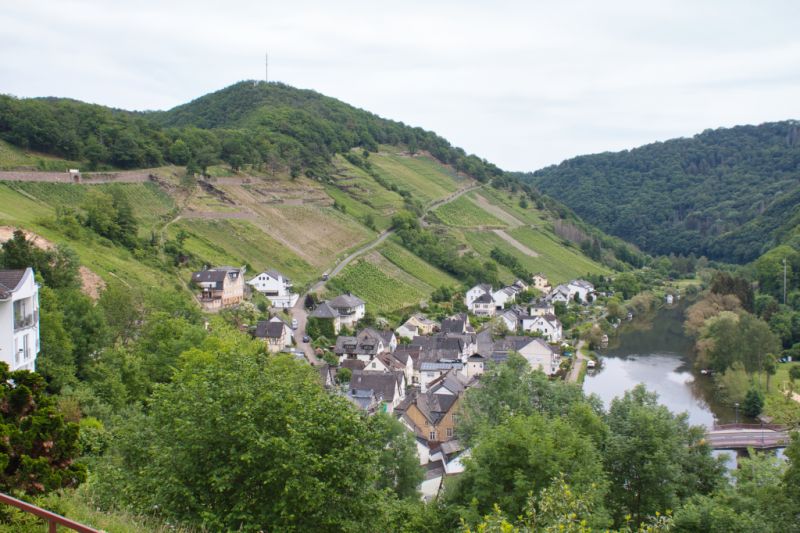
<point>248,123</point>
<point>729,194</point>
<point>628,464</point>
<point>37,447</point>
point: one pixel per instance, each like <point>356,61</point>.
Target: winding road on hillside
<point>299,311</point>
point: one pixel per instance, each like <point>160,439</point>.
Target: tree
<point>794,373</point>
<point>521,456</point>
<point>56,361</point>
<point>398,464</point>
<point>122,308</point>
<point>58,267</point>
<point>269,447</point>
<point>513,388</point>
<point>653,458</point>
<point>37,448</point>
<point>753,403</point>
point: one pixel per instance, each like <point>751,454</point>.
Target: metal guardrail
<point>53,520</point>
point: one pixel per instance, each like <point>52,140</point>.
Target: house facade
<point>344,311</point>
<point>434,414</point>
<point>19,319</point>
<point>537,352</point>
<point>540,283</point>
<point>416,325</point>
<point>276,287</point>
<point>548,326</point>
<point>275,332</point>
<point>220,287</point>
<point>483,305</point>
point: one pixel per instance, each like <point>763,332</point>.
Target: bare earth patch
<point>91,284</point>
<point>515,243</point>
<point>498,212</point>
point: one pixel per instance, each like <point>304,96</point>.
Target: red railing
<point>52,519</point>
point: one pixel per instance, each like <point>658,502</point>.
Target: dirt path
<point>499,212</point>
<point>515,243</point>
<point>577,365</point>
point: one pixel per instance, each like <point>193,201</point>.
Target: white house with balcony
<point>276,287</point>
<point>19,319</point>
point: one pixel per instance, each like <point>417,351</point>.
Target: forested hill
<point>728,194</point>
<point>248,123</point>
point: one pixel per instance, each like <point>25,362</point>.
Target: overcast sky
<point>522,84</point>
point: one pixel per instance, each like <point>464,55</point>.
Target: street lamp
<point>736,405</point>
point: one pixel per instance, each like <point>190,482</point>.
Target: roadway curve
<point>299,311</point>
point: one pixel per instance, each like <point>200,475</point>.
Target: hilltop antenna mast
<point>266,68</point>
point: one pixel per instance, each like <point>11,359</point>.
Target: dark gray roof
<point>345,345</point>
<point>266,329</point>
<point>383,383</point>
<point>215,275</point>
<point>324,310</point>
<point>484,298</point>
<point>9,281</point>
<point>346,301</point>
<point>353,364</point>
<point>456,324</point>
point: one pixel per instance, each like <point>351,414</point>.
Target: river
<point>657,353</point>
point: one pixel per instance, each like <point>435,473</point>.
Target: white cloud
<point>522,84</point>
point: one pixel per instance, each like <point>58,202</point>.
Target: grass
<point>381,292</point>
<point>13,157</point>
<point>779,406</point>
<point>19,208</point>
<point>239,242</point>
<point>510,203</point>
<point>558,262</point>
<point>464,212</point>
<point>416,267</point>
<point>424,177</point>
<point>150,203</point>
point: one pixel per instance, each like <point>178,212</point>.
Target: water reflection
<point>658,354</point>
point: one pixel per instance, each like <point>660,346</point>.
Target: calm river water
<point>659,355</point>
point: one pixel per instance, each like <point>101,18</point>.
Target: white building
<point>580,287</point>
<point>19,319</point>
<point>276,287</point>
<point>549,326</point>
<point>476,292</point>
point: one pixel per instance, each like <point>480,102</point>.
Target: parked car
<point>294,323</point>
<point>306,338</point>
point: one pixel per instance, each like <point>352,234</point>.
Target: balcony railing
<point>53,520</point>
<point>22,322</point>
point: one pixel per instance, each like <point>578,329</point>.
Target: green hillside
<point>294,181</point>
<point>729,194</point>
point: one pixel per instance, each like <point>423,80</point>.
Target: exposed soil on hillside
<point>91,284</point>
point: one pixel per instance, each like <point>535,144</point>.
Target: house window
<point>449,432</point>
<point>432,435</point>
<point>455,418</point>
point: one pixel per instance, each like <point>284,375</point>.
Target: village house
<point>388,387</point>
<point>580,287</point>
<point>538,353</point>
<point>541,308</point>
<point>504,296</point>
<point>476,292</point>
<point>344,311</point>
<point>19,319</point>
<point>275,332</point>
<point>417,325</point>
<point>559,295</point>
<point>433,415</point>
<point>548,326</point>
<point>220,287</point>
<point>510,318</point>
<point>430,371</point>
<point>540,283</point>
<point>276,287</point>
<point>366,345</point>
<point>483,305</point>
<point>476,365</point>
